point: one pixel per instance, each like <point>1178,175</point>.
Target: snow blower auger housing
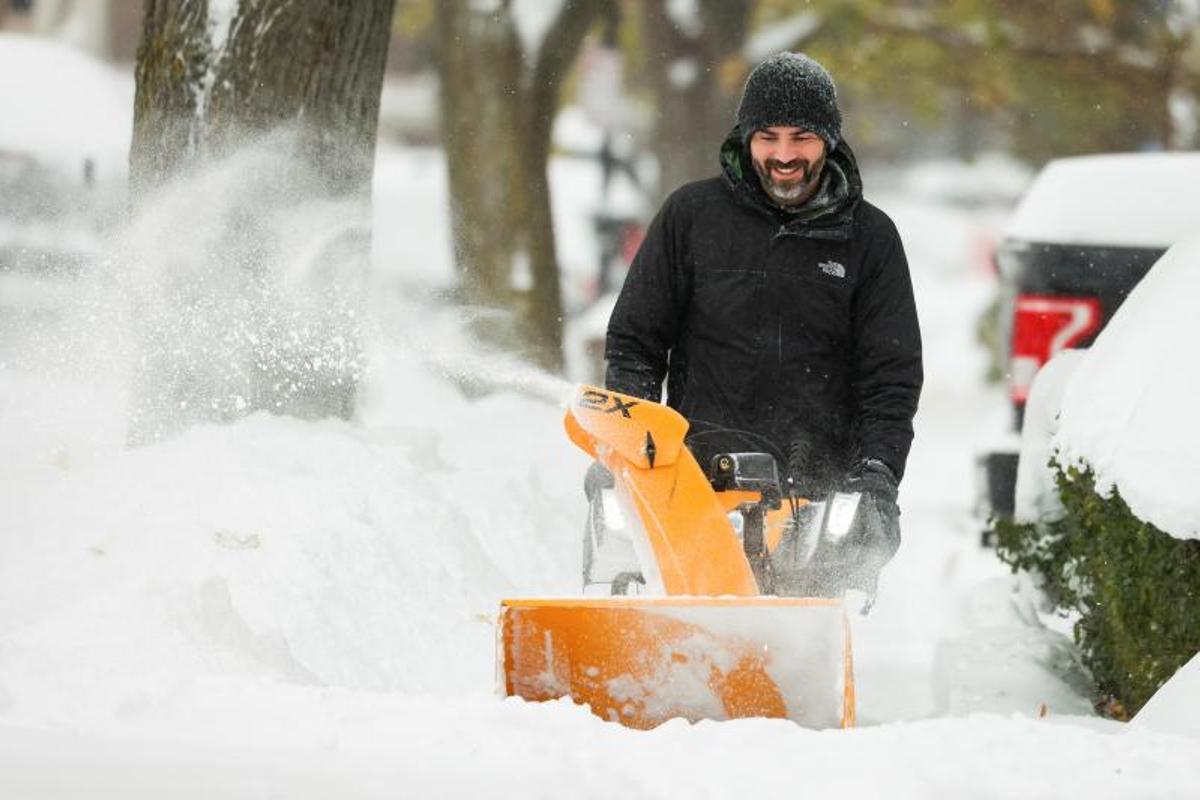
<point>701,641</point>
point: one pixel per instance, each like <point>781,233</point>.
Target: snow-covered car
<point>1126,415</point>
<point>64,143</point>
<point>49,221</point>
<point>1082,237</point>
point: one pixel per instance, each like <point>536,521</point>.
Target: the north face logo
<point>832,268</point>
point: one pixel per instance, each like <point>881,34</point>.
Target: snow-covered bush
<point>1136,589</point>
<point>1125,554</point>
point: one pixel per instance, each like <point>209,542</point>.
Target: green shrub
<point>1136,589</point>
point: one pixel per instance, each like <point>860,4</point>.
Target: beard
<point>795,190</point>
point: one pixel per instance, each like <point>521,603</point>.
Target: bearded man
<point>776,304</point>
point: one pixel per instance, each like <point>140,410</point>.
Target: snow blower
<point>694,625</point>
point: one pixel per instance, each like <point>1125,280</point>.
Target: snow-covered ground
<point>282,608</point>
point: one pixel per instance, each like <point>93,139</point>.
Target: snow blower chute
<point>702,639</point>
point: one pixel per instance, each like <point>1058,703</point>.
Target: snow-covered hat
<point>794,90</point>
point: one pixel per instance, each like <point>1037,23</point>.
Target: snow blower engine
<point>706,595</point>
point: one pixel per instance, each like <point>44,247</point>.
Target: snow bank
<point>329,553</point>
<point>1129,410</point>
<point>1175,707</point>
<point>369,557</point>
<point>1036,490</point>
<point>311,553</point>
<point>1130,200</point>
<point>1003,657</point>
<point>297,744</point>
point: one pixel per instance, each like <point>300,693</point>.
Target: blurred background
<point>627,100</point>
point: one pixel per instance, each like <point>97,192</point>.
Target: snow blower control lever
<point>757,475</point>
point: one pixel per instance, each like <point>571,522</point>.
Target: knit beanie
<point>790,89</point>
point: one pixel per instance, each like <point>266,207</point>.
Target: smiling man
<point>777,305</point>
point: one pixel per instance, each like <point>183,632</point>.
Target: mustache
<point>808,167</point>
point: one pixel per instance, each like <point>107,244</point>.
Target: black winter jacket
<point>790,333</point>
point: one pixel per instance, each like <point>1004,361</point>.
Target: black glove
<point>878,536</point>
<point>872,476</point>
<point>598,477</point>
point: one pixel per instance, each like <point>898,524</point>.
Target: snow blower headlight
<point>614,516</point>
<point>843,508</point>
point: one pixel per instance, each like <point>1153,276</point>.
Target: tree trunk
<point>257,119</point>
<point>554,59</point>
<point>498,106</point>
<point>480,63</point>
<point>315,63</point>
<point>172,61</point>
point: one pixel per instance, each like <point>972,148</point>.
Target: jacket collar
<point>829,214</point>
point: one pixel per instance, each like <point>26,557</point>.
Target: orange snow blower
<point>704,638</point>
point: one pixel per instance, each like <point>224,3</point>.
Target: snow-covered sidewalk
<point>247,739</point>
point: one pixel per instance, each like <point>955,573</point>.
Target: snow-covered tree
<point>209,72</point>
<point>261,310</point>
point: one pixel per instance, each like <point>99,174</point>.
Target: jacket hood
<point>829,214</point>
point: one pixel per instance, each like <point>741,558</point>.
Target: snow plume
<point>63,370</point>
<point>444,345</point>
<point>246,287</point>
<point>353,556</point>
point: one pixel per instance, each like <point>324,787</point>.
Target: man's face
<point>788,161</point>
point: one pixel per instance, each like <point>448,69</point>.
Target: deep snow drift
<point>1173,707</point>
<point>306,608</point>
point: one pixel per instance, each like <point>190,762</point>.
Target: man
<point>777,304</point>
